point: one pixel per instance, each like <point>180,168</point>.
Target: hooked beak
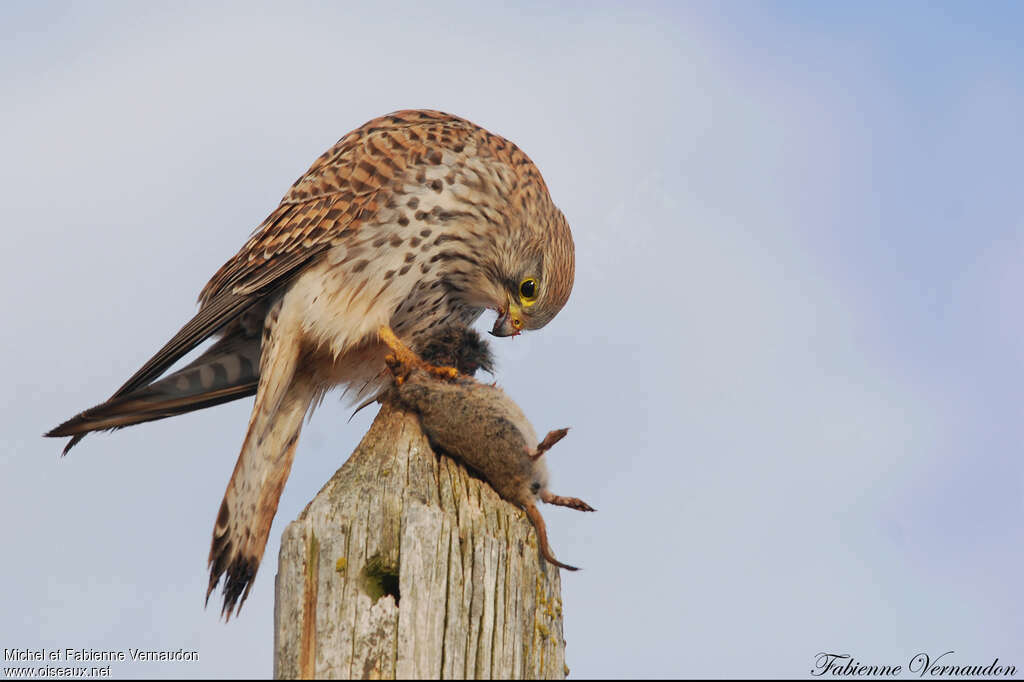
<point>509,322</point>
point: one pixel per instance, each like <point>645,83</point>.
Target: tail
<point>283,397</point>
<point>227,371</point>
<point>542,537</point>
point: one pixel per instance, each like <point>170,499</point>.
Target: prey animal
<point>416,220</point>
<point>481,426</point>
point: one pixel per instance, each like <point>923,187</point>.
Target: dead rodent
<point>483,427</point>
<point>458,347</point>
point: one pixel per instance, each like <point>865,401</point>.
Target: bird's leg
<point>405,357</point>
<point>401,354</point>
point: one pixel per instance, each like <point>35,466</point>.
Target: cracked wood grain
<point>406,566</point>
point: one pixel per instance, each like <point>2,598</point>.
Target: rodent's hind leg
<point>548,442</point>
<point>573,502</point>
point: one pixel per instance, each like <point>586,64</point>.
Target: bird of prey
<point>415,221</point>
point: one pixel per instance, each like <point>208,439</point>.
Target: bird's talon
<point>447,373</point>
<point>399,369</point>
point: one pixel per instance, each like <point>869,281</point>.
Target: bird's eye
<point>528,290</point>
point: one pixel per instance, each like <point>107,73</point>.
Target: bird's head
<point>534,279</point>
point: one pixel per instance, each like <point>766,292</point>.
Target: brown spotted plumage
<point>414,221</point>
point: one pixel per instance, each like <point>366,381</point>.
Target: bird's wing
<point>335,195</point>
<point>280,248</point>
<point>225,372</point>
<point>208,321</point>
<point>324,207</point>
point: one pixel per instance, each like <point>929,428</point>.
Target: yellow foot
<point>402,354</point>
<point>446,373</point>
<point>403,359</point>
<point>398,370</point>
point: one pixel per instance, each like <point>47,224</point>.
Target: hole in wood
<point>378,578</point>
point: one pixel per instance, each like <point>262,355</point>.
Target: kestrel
<point>415,221</point>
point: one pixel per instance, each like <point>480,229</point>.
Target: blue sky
<point>792,359</point>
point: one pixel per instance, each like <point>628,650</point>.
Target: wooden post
<point>405,566</point>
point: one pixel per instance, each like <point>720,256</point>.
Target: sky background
<point>792,359</point>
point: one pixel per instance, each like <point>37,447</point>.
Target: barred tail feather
<point>243,523</point>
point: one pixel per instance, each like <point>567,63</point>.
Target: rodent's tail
<point>542,537</point>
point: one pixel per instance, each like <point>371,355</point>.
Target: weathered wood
<point>406,566</point>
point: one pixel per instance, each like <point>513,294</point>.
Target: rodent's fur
<point>484,428</point>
